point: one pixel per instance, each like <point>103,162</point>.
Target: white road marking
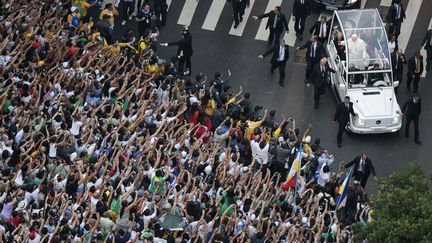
<point>411,11</point>
<point>290,37</point>
<point>262,33</point>
<point>363,4</point>
<point>213,14</point>
<point>386,3</point>
<point>423,52</point>
<point>241,27</point>
<point>187,12</point>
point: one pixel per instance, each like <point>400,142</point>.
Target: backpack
<point>75,21</point>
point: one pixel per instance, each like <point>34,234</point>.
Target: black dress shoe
<point>241,18</point>
<point>235,26</point>
<point>417,142</point>
<point>315,107</point>
<point>406,135</point>
<point>281,84</point>
<point>339,145</point>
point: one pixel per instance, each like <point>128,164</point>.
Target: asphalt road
<point>219,51</point>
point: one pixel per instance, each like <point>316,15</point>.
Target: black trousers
<point>274,35</point>
<point>161,13</point>
<point>281,66</point>
<point>128,8</point>
<point>238,14</point>
<point>359,176</point>
<point>322,40</point>
<point>182,61</point>
<point>341,130</point>
<point>311,62</point>
<point>428,57</point>
<point>299,24</point>
<point>407,125</point>
<point>395,28</point>
<point>415,82</point>
<point>397,76</point>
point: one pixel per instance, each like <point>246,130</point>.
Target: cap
<point>32,235</point>
<point>73,9</point>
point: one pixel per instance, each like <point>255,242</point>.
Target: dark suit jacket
<point>315,29</point>
<point>412,66</point>
<point>427,40</point>
<point>239,4</point>
<point>392,14</point>
<point>281,20</point>
<point>275,51</point>
<point>319,52</point>
<point>399,63</point>
<point>342,113</point>
<point>368,167</point>
<point>319,78</point>
<point>184,45</point>
<point>301,10</point>
<point>412,110</point>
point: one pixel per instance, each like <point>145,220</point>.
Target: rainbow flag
<point>343,192</point>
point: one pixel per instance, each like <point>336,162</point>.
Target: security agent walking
<point>321,29</point>
<point>411,109</point>
<point>427,43</point>
<point>415,69</point>
<point>398,60</point>
<point>363,167</point>
<point>342,116</point>
<point>319,79</point>
<point>279,58</point>
<point>239,7</point>
<point>276,23</point>
<point>301,10</point>
<point>184,51</point>
<point>395,17</point>
<point>314,53</point>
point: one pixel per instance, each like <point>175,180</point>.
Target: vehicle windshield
<point>365,40</point>
<point>369,79</point>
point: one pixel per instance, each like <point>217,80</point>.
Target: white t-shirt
<point>75,129</point>
<point>323,177</point>
<point>52,150</point>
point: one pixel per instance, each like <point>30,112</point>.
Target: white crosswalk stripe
<point>262,33</point>
<point>363,4</point>
<point>187,12</point>
<point>386,3</point>
<point>216,8</point>
<point>239,30</point>
<point>423,51</point>
<point>213,15</point>
<point>411,11</point>
<point>290,37</point>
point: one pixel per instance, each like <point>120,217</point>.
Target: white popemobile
<point>358,50</point>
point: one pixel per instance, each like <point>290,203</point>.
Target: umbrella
<point>172,222</point>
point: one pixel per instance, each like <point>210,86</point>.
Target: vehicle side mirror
<point>396,84</point>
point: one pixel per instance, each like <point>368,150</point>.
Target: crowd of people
<point>104,141</point>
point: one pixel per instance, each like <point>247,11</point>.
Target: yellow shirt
<point>251,127</point>
<point>110,13</point>
<point>210,107</point>
<point>277,132</point>
<point>115,48</point>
